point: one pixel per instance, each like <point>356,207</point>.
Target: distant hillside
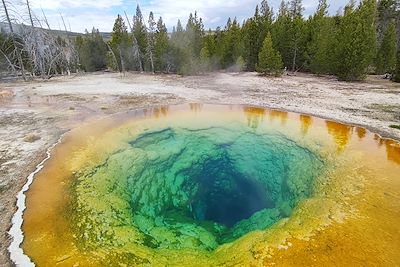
<point>19,28</point>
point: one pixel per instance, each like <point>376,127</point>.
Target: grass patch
<point>30,138</point>
<point>395,127</point>
<point>385,108</point>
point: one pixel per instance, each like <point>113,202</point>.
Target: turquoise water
<point>200,188</point>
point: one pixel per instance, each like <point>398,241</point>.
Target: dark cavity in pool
<point>226,196</point>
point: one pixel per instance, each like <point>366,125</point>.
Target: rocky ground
<point>34,114</point>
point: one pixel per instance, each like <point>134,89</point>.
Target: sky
<point>84,14</point>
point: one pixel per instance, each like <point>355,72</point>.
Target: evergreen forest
<point>361,39</point>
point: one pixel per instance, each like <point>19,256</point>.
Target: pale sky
<point>84,14</point>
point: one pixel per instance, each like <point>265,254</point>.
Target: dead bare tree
<point>113,55</point>
<point>69,48</point>
<point>150,39</point>
<point>17,50</point>
<point>37,51</point>
<point>45,19</point>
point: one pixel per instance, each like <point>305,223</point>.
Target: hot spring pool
<point>207,185</point>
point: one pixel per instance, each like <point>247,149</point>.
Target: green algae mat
<point>205,185</point>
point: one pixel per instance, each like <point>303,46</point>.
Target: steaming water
<point>197,185</point>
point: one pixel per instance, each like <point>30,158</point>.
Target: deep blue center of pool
<point>225,195</point>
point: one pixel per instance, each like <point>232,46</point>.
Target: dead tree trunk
<point>45,20</point>
<point>122,59</point>
<point>38,61</point>
<point>113,55</point>
<point>69,46</point>
<point>29,12</point>
<point>21,63</point>
<point>151,60</point>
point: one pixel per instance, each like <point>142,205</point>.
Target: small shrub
<point>30,138</point>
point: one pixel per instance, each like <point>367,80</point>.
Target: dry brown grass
<point>30,138</point>
<point>6,94</point>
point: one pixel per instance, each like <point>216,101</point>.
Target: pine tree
<point>386,57</point>
<point>254,31</point>
<point>296,30</point>
<point>194,34</point>
<point>250,42</point>
<point>262,20</point>
<point>322,32</point>
<point>161,47</point>
<point>386,16</point>
<point>177,35</point>
<point>269,60</point>
<point>344,45</point>
<point>281,31</point>
<point>92,51</point>
<point>356,41</point>
<point>231,44</point>
<point>266,11</point>
<point>266,19</point>
<point>396,75</point>
<point>191,45</point>
<point>205,59</point>
<point>215,46</point>
<point>210,43</point>
<point>398,23</point>
<point>178,43</point>
<point>140,34</point>
<point>240,64</point>
<point>179,27</point>
<point>119,40</point>
<point>119,32</point>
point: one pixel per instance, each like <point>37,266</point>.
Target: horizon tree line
<point>363,39</point>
